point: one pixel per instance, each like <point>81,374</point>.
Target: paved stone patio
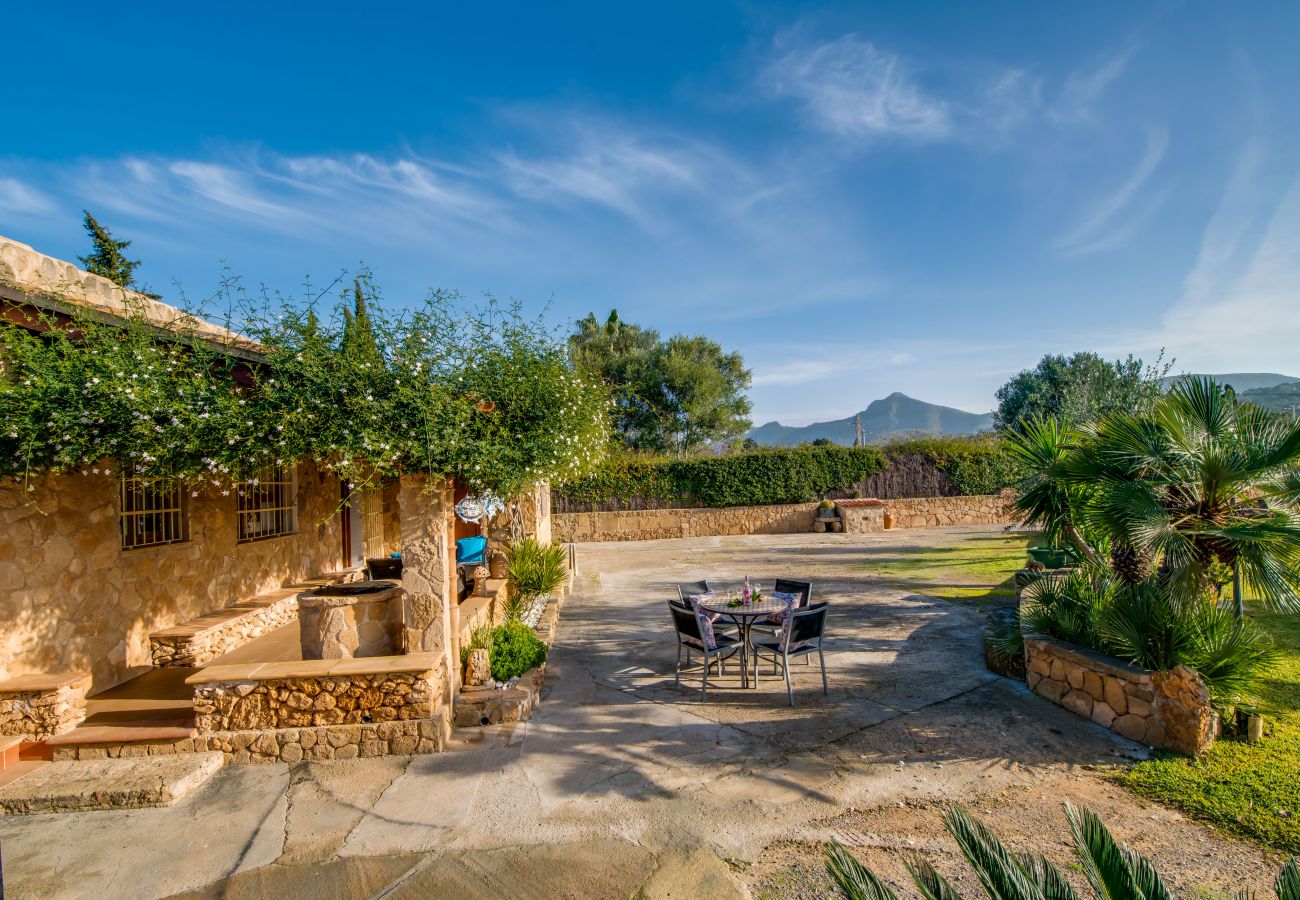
<point>623,784</point>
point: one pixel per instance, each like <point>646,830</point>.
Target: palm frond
<point>930,883</point>
<point>1114,872</point>
<point>1288,881</point>
<point>998,869</point>
<point>1048,877</point>
<point>854,880</point>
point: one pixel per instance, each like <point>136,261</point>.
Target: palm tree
<point>1113,871</point>
<point>1199,479</point>
<point>1045,499</point>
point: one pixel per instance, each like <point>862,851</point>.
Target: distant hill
<point>1283,397</point>
<point>1242,381</point>
<point>896,416</point>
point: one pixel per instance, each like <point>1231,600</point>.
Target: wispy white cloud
<point>1239,299</point>
<point>1084,88</point>
<point>1099,229</point>
<point>852,87</point>
<point>16,197</point>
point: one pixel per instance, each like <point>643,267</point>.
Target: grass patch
<point>1249,790</point>
<point>977,570</point>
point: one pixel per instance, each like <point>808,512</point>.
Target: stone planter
<point>351,620</point>
<point>1161,709</point>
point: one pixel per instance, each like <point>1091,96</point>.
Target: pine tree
<point>108,258</point>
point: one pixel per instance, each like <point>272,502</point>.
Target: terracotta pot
<point>889,520</point>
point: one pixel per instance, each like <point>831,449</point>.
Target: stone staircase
<point>108,784</point>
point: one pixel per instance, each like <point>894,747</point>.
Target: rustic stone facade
<point>652,524</point>
<point>73,600</point>
<point>356,625</point>
<point>1161,709</point>
<point>40,706</point>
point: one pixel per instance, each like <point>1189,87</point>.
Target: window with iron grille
<point>152,511</point>
<point>267,505</point>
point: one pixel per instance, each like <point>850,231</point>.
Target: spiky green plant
<point>1113,870</point>
<point>1045,499</point>
<point>1199,479</point>
<point>533,569</point>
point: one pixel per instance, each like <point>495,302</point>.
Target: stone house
<point>93,564</point>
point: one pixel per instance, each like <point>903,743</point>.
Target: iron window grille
<point>152,511</point>
<point>267,505</point>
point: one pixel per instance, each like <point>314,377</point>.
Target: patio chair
<point>690,635</point>
<point>802,589</point>
<point>806,631</point>
<point>688,589</point>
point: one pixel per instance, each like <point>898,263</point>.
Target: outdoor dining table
<point>744,615</point>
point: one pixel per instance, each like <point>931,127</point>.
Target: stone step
<point>20,768</point>
<point>87,785</point>
<point>10,744</point>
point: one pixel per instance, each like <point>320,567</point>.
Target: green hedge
<point>756,478</point>
<point>975,465</point>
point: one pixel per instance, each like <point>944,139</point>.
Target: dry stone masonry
<point>857,515</point>
<point>40,706</point>
<point>203,639</point>
<point>1161,709</point>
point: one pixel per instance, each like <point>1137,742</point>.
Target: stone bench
<point>40,706</point>
<point>216,633</point>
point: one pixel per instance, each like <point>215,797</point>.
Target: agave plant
<point>533,569</point>
<point>1200,479</point>
<point>1113,870</point>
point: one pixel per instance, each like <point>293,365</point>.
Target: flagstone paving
<point>622,784</point>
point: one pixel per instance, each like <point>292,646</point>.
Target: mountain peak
<point>894,416</point>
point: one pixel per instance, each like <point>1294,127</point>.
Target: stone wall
<point>1161,709</point>
<point>652,524</point>
<point>866,516</point>
<point>41,706</point>
<point>72,600</point>
<point>931,512</point>
<point>289,745</point>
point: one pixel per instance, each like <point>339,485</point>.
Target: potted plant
<point>826,509</point>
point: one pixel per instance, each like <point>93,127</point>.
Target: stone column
<point>428,583</point>
<point>535,505</point>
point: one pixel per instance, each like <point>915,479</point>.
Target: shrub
<point>515,650</point>
<point>972,465</point>
<point>1152,626</point>
<point>754,478</point>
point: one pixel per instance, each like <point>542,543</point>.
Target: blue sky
<point>862,198</point>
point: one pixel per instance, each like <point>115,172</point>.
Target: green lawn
<point>976,569</point>
<point>1252,791</point>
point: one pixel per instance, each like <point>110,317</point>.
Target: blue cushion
<point>471,549</point>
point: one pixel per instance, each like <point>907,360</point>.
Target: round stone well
<point>341,621</point>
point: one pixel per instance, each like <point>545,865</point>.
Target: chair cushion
<point>790,600</point>
<point>706,620</point>
<point>721,642</point>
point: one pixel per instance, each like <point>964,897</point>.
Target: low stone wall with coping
<point>860,516</point>
<point>1161,709</point>
<point>37,707</point>
<point>490,705</point>
<point>322,709</point>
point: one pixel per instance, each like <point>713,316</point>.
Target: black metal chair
<point>807,631</point>
<point>691,589</point>
<point>690,635</point>
<point>802,589</point>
